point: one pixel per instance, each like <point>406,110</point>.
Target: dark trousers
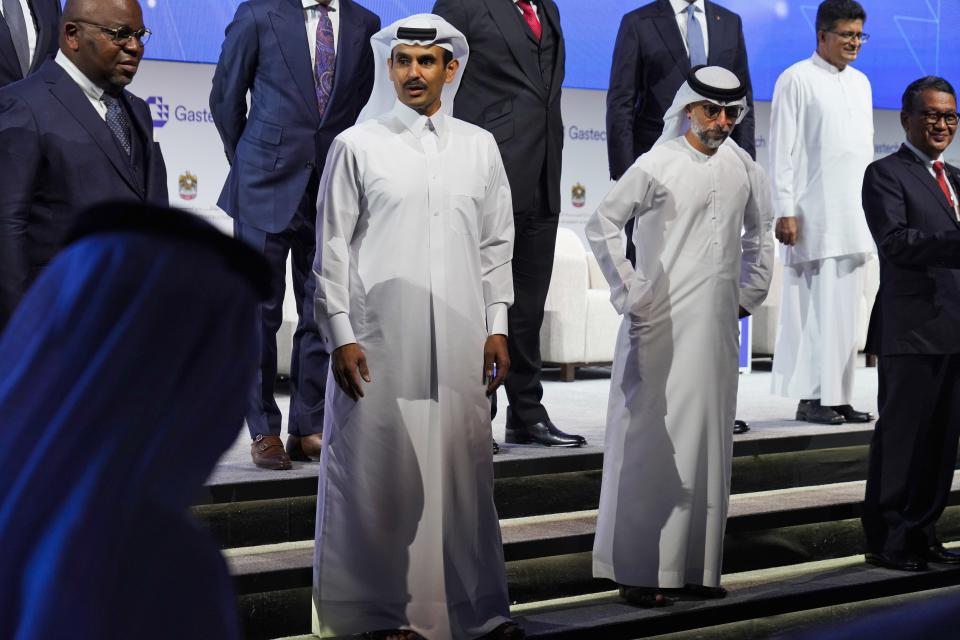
<point>535,240</point>
<point>913,452</point>
<point>309,360</point>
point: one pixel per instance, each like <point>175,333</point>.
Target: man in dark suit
<point>656,47</point>
<point>910,200</point>
<point>71,137</point>
<point>28,36</point>
<point>306,86</point>
<point>511,88</point>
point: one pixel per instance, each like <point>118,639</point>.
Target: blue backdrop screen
<point>909,39</point>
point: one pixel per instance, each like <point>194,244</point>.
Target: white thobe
<point>415,240</point>
<point>821,141</point>
<point>703,247</point>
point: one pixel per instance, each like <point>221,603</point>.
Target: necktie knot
<point>938,167</point>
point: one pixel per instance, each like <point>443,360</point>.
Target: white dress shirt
<point>93,92</point>
<point>928,163</point>
<point>311,17</point>
<point>821,141</point>
<point>536,10</point>
<point>29,18</point>
<point>680,9</point>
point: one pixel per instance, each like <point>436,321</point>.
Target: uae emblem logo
<point>579,195</point>
<point>188,186</point>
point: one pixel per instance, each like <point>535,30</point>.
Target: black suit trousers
<point>309,360</point>
<point>913,452</point>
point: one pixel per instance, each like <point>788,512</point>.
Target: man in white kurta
<point>704,256</point>
<point>415,242</point>
<point>821,141</point>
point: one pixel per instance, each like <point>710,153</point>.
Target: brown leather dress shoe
<point>267,453</point>
<point>304,448</point>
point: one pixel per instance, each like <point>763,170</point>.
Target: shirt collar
<point>927,160</point>
<point>91,90</point>
<point>416,123</point>
<point>333,5</point>
<point>823,64</point>
<point>680,6</point>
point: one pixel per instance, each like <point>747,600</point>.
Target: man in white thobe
<point>821,141</point>
<point>704,256</point>
<point>415,238</point>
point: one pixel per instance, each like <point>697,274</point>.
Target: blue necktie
<point>13,14</point>
<point>326,58</point>
<point>698,52</point>
<point>117,122</point>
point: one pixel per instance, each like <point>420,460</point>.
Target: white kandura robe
<point>821,141</point>
<point>413,263</point>
<point>703,247</point>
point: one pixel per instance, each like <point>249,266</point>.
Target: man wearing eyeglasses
<point>308,69</point>
<point>704,257</point>
<point>28,36</point>
<point>821,141</point>
<point>71,136</point>
<point>911,204</point>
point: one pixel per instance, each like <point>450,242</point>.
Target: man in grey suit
<point>28,36</point>
<point>511,88</point>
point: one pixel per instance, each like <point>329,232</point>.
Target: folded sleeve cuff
<point>341,331</point>
<point>497,319</point>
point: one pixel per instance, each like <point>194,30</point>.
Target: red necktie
<point>942,180</point>
<point>531,17</point>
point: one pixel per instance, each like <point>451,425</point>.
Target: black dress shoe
<point>941,555</point>
<point>739,426</point>
<point>852,415</point>
<point>496,447</point>
<point>813,411</point>
<point>543,432</point>
<point>903,561</point>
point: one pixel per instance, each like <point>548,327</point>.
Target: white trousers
<point>816,349</point>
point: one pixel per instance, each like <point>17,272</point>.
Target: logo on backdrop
<point>159,111</point>
<point>188,186</point>
<point>578,195</point>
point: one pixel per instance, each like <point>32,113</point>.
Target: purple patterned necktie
<point>326,58</point>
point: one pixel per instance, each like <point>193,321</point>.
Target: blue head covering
<point>122,378</point>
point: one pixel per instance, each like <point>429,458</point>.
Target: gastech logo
<point>160,112</point>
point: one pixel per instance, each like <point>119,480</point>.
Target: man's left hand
<point>496,362</point>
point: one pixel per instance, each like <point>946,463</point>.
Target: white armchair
<point>579,323</point>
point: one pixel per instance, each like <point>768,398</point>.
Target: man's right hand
<point>787,230</point>
<point>349,365</point>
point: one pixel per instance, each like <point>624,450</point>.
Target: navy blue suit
<point>914,329</point>
<point>276,154</point>
<point>46,19</point>
<point>57,157</point>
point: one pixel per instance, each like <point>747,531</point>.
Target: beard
<point>711,138</point>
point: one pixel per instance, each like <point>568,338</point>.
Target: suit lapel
<point>666,24</point>
<point>715,27</point>
<point>350,45</point>
<point>919,171</point>
<point>553,17</point>
<point>44,35</point>
<point>142,128</point>
<point>503,14</point>
<point>8,55</point>
<point>71,96</point>
<point>287,22</point>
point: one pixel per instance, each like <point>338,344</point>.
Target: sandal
<point>647,597</point>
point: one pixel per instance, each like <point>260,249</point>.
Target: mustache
<point>414,84</point>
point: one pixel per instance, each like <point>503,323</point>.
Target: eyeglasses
<point>712,111</point>
<point>122,35</point>
<point>849,36</point>
<point>950,118</point>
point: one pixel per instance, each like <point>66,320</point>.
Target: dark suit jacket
<point>57,157</point>
<point>650,63</point>
<point>274,151</point>
<point>503,92</point>
<point>917,310</point>
<point>46,17</point>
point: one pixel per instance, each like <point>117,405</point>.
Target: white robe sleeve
<point>784,138</point>
<point>632,196</point>
<point>338,209</point>
<point>756,261</point>
<point>496,245</point>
